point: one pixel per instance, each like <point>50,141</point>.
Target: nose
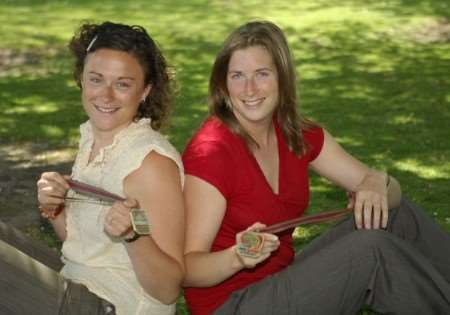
<point>250,86</point>
<point>106,93</point>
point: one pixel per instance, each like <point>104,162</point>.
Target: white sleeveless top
<point>91,257</point>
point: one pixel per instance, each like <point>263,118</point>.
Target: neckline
<point>280,163</point>
<point>99,158</point>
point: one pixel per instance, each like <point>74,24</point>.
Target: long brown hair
<point>271,37</point>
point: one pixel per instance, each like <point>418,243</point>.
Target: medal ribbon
<point>92,191</point>
<point>307,219</point>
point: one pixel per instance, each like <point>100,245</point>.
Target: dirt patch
<point>14,62</point>
<point>433,31</point>
<point>20,167</point>
<point>12,58</point>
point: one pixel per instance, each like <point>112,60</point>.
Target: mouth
<point>253,102</point>
<point>106,109</point>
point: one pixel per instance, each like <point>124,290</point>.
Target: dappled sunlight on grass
<point>345,140</point>
<point>365,76</point>
<point>424,171</point>
<point>375,74</point>
<point>29,105</point>
<point>406,119</point>
<point>53,131</point>
<point>304,234</point>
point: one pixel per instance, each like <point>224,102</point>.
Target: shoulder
<point>212,138</point>
<point>313,134</point>
<point>154,173</point>
<point>314,140</point>
<point>143,149</point>
<point>212,155</point>
<point>212,129</point>
<point>141,131</point>
<point>144,138</point>
<point>158,165</point>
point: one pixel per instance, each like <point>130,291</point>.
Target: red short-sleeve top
<point>222,158</point>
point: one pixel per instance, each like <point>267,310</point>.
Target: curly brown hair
<point>132,39</point>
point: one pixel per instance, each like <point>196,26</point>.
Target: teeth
<point>106,109</point>
<point>253,102</point>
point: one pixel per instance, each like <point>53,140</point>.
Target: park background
<point>375,73</point>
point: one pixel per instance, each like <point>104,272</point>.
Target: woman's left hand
<point>368,186</point>
<point>370,202</point>
<point>117,220</point>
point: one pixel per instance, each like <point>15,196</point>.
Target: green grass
<point>374,73</point>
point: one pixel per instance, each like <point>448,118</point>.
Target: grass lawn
<point>374,73</point>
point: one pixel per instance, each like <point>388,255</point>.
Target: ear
<point>146,92</point>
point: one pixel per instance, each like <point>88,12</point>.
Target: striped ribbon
<point>101,194</point>
<point>306,219</point>
<point>92,191</point>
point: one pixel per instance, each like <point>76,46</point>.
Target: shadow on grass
<point>47,104</point>
<point>386,100</point>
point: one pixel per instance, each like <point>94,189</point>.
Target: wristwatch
<point>133,238</point>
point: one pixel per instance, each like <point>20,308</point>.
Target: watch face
<point>139,221</point>
<point>250,244</point>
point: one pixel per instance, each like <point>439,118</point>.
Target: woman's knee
<point>362,240</point>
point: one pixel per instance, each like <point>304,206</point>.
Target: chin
<point>259,118</point>
<point>104,126</point>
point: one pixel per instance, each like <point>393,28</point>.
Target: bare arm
<point>158,258</point>
<point>205,208</point>
<point>372,194</point>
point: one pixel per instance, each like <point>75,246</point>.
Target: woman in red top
<point>247,168</point>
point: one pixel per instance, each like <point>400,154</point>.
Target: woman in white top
<point>125,91</point>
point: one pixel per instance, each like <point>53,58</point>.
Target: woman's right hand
<point>270,244</point>
<point>51,189</point>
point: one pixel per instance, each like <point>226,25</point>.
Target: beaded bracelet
<point>51,214</point>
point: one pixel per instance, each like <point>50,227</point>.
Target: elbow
<point>167,290</point>
<point>177,281</point>
<point>169,297</point>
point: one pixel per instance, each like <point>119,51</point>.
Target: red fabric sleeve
<point>211,162</point>
<point>314,138</point>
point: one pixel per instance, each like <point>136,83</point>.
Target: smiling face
<point>252,84</point>
<point>112,88</point>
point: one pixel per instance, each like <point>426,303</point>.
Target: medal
<point>138,217</point>
<point>140,222</point>
<point>250,244</point>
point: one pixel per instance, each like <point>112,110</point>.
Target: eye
<point>235,75</point>
<point>123,85</point>
<point>263,74</point>
<point>94,80</point>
